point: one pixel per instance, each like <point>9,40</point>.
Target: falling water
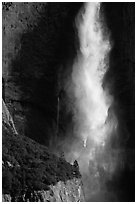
<point>91,100</point>
<point>94,119</point>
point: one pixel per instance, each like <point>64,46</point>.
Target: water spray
<point>94,122</point>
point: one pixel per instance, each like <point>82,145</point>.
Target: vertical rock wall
<point>17,19</point>
<point>38,43</point>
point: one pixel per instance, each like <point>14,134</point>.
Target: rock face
<point>17,19</point>
<point>69,191</point>
<point>6,117</point>
<point>38,42</point>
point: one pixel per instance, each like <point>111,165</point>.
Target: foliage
<point>32,166</point>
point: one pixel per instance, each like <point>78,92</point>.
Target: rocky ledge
<point>69,191</point>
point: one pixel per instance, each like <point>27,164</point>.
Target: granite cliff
<point>38,44</point>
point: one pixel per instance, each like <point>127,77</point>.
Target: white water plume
<point>94,123</point>
<point>91,101</point>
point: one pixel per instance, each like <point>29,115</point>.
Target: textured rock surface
<point>17,19</point>
<point>38,42</point>
<point>69,191</point>
<point>6,117</point>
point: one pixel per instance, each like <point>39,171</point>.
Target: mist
<point>95,143</point>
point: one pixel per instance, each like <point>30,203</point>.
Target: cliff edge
<point>30,172</point>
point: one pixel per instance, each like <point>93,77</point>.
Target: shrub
<point>38,168</point>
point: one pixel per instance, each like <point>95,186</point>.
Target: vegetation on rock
<point>29,166</point>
